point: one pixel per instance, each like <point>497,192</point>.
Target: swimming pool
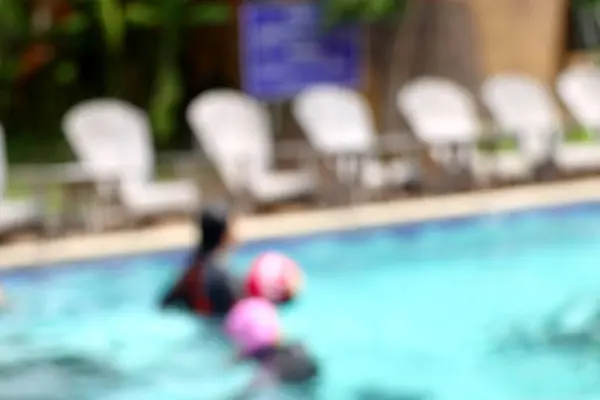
<point>418,309</point>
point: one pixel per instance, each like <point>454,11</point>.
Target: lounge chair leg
<point>245,203</point>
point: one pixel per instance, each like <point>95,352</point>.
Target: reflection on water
<point>57,378</point>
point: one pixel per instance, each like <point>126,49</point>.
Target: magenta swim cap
<point>253,323</point>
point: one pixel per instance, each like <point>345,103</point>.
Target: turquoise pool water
<point>419,309</point>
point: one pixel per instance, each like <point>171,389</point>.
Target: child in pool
<point>206,287</point>
<point>254,327</point>
<point>284,364</point>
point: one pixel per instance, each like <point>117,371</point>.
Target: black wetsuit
<point>289,363</point>
<point>205,288</point>
<point>220,289</point>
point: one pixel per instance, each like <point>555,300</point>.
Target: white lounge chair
<point>579,89</point>
<point>112,140</point>
<point>442,113</point>
<point>14,214</point>
<point>524,107</point>
<point>235,133</point>
<point>338,122</point>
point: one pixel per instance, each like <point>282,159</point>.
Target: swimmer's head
<point>216,228</point>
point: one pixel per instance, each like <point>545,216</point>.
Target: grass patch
<point>505,144</point>
<point>53,195</point>
<point>576,135</point>
<point>580,134</point>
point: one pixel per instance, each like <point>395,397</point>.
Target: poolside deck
<point>166,237</point>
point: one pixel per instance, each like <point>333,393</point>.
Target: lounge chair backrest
<point>523,106</point>
<point>335,119</point>
<point>439,111</point>
<point>111,137</point>
<point>3,163</point>
<point>235,133</point>
<point>579,89</point>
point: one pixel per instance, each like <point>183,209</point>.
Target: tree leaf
<point>74,24</point>
<point>66,72</point>
<point>13,20</point>
<point>143,15</point>
<point>341,11</point>
<point>165,101</point>
<point>9,70</point>
<point>208,13</point>
<point>113,23</point>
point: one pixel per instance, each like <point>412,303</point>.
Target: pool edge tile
<point>402,216</point>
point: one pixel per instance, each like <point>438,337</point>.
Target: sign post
<point>285,48</point>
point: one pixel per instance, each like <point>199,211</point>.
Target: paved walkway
<point>294,223</point>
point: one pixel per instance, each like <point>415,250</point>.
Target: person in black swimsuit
<point>206,287</point>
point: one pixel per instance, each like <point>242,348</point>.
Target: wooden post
<point>523,36</point>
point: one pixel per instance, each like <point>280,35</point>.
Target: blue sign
<point>285,48</point>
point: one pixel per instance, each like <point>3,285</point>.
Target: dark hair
<point>213,224</point>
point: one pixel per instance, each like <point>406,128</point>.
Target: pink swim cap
<point>253,323</point>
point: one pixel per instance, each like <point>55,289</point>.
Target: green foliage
<point>207,14</point>
<point>343,11</point>
<point>172,18</point>
<point>92,52</point>
<point>14,22</point>
<point>16,37</point>
<point>14,31</point>
<point>66,72</point>
<point>580,134</point>
<point>141,14</point>
<point>112,17</point>
<point>576,135</point>
<point>494,145</point>
<point>578,3</point>
<point>74,24</point>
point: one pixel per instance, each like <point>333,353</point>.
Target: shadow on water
<point>57,378</point>
<point>374,393</point>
